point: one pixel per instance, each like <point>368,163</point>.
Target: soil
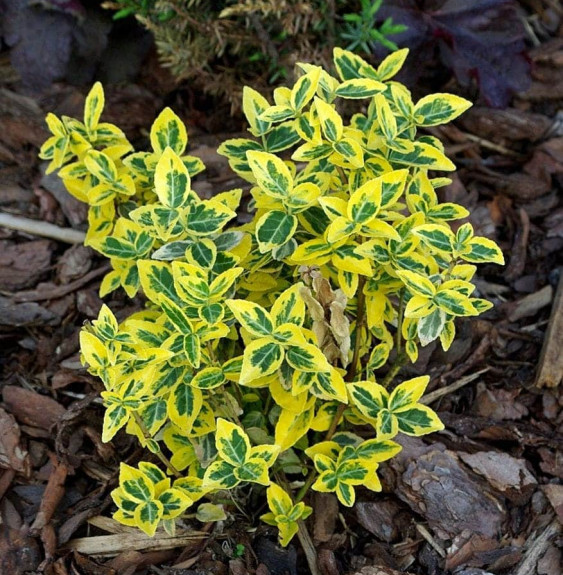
<point>484,496</point>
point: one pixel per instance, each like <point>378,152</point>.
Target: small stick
<point>434,395</point>
<point>476,357</point>
<point>550,370</point>
<point>308,548</point>
<point>44,229</point>
<point>109,525</point>
<point>57,292</point>
<point>427,535</point>
<point>491,145</point>
<point>105,545</point>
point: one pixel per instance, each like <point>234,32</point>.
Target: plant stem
<point>335,421</point>
<point>211,353</point>
<point>268,404</point>
<point>238,393</point>
<point>310,479</point>
<point>452,265</point>
<point>303,534</point>
<point>401,315</point>
<point>400,360</point>
<point>313,473</point>
<point>148,437</point>
<point>360,319</point>
<point>342,174</point>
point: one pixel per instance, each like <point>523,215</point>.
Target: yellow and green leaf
<point>261,357</point>
<point>93,107</point>
<point>437,109</point>
<point>168,131</point>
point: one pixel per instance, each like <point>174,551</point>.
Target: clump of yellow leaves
<point>256,357</point>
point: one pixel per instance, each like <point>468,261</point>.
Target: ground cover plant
<point>267,353</point>
<point>220,46</point>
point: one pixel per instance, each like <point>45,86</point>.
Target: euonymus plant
<point>258,358</point>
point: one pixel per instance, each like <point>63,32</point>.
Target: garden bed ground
<point>483,496</point>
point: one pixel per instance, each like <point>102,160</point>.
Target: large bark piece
<point>449,497</point>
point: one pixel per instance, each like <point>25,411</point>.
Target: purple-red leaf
<point>481,40</point>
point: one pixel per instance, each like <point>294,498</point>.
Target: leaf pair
<point>341,468</point>
<point>395,412</point>
<point>277,337</point>
<point>284,514</point>
<point>238,461</point>
<point>434,306</point>
<point>72,138</point>
<point>144,498</point>
<point>278,225</point>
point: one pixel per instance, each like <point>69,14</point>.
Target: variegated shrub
<point>257,362</point>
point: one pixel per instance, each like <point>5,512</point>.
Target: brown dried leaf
<point>316,310</point>
<point>340,325</point>
<point>330,323</point>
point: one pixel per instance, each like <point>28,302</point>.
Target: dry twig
<point>43,229</point>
